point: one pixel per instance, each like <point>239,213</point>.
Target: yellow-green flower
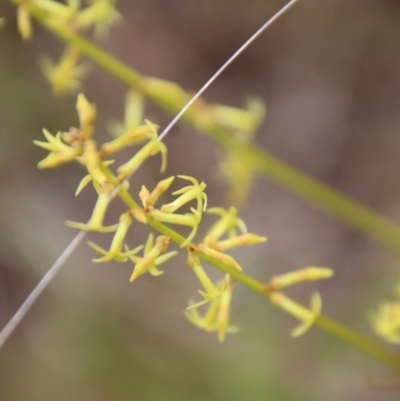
<point>386,321</point>
<point>66,75</point>
<point>60,153</point>
<point>133,115</point>
<point>131,137</point>
<point>152,257</point>
<point>149,199</point>
<point>217,316</point>
<point>311,273</point>
<point>228,222</point>
<point>195,191</point>
<point>240,240</point>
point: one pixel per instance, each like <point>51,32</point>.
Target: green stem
<point>327,324</point>
<point>347,210</point>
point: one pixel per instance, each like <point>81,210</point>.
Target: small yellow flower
<point>217,316</point>
<point>149,199</point>
<point>60,153</point>
<point>133,115</point>
<point>386,321</point>
<point>240,240</point>
<point>151,258</point>
<point>131,137</point>
<point>66,75</point>
<point>311,273</point>
<point>195,191</point>
<point>87,114</point>
<point>227,223</point>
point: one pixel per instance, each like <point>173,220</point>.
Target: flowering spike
<point>150,259</point>
<point>195,191</point>
<point>311,273</point>
<point>227,223</point>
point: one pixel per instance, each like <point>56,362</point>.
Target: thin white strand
<point>225,65</point>
<point>13,323</point>
<point>40,287</point>
<point>15,320</point>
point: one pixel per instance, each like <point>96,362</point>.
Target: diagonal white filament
<point>225,65</point>
<point>13,323</point>
<point>40,287</point>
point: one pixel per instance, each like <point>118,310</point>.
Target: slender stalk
<point>336,329</point>
<point>337,204</point>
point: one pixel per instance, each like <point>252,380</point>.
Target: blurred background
<point>329,73</point>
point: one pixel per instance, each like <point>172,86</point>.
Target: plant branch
<point>300,184</point>
<point>337,204</point>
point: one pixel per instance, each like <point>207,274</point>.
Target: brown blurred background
<point>329,72</point>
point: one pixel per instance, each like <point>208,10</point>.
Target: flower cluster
<point>227,232</point>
